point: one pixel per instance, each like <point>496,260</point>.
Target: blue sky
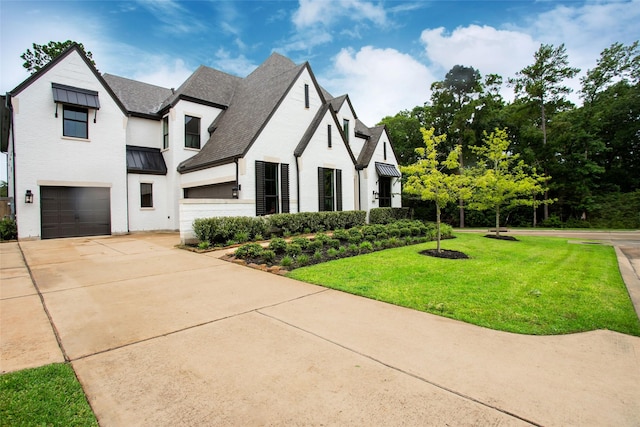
<point>384,54</point>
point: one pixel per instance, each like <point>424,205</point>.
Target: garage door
<point>75,211</point>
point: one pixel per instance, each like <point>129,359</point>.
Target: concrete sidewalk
<point>161,336</point>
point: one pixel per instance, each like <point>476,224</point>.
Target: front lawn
<point>46,396</point>
<point>537,285</point>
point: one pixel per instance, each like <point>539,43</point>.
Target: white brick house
<point>100,154</point>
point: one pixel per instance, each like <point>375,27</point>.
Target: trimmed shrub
<point>278,245</point>
<point>302,260</point>
<point>287,261</point>
<point>315,245</point>
<point>332,252</point>
<point>250,250</point>
<point>268,255</point>
<point>341,234</point>
<point>303,242</point>
<point>223,229</point>
<point>333,243</point>
<point>293,249</point>
<point>366,247</point>
<point>388,215</point>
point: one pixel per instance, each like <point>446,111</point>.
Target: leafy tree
<point>542,84</point>
<point>454,100</point>
<point>501,179</point>
<point>4,189</point>
<point>404,132</point>
<point>617,63</point>
<point>42,54</point>
<point>427,177</point>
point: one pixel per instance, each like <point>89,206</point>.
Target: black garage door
<point>75,211</point>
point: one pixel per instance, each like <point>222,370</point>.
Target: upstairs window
<point>75,122</point>
<point>306,96</point>
<point>146,195</point>
<point>192,132</point>
<point>384,148</point>
<point>165,132</point>
<point>329,136</point>
<point>345,125</point>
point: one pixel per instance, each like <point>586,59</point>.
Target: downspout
<point>9,106</point>
<point>298,183</point>
<point>359,191</point>
<point>237,175</point>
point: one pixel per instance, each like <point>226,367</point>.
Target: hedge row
<point>240,229</point>
<point>388,215</point>
<point>301,251</point>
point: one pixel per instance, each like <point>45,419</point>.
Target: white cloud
<point>485,48</point>
<point>312,12</point>
<point>239,66</point>
<point>379,82</point>
<point>162,71</point>
<point>176,18</point>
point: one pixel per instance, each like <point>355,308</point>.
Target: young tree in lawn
<point>427,177</point>
<point>42,54</point>
<point>501,179</point>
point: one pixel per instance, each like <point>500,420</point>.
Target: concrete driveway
<point>164,337</point>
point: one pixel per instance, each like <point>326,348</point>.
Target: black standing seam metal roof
<point>145,160</point>
<point>387,170</point>
<point>70,95</point>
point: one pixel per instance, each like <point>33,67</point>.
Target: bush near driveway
<point>301,251</point>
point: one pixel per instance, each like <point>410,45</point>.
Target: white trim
<point>46,183</point>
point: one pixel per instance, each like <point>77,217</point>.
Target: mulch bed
<point>501,237</point>
<point>444,253</point>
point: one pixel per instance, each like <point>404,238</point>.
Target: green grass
<point>46,396</point>
<point>538,285</point>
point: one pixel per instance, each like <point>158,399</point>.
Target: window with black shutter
<point>338,190</point>
<point>329,189</point>
<point>267,197</point>
<point>284,187</point>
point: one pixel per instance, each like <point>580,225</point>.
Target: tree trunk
<point>438,228</point>
<point>461,201</point>
<point>535,212</point>
<point>497,221</point>
<point>544,144</point>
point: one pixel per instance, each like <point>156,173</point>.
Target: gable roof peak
<point>274,65</point>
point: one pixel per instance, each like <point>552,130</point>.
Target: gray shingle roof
<point>206,84</point>
<point>362,129</point>
<point>254,101</point>
<point>138,97</point>
<point>370,146</point>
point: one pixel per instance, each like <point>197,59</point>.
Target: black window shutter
<point>261,208</point>
<point>320,189</point>
<point>338,189</point>
<point>284,187</point>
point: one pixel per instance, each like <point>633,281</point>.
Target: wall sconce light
<point>375,195</point>
<point>234,192</point>
<point>28,197</point>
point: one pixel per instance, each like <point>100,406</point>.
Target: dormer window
<point>306,96</point>
<point>192,132</point>
<point>345,125</point>
<point>165,132</point>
